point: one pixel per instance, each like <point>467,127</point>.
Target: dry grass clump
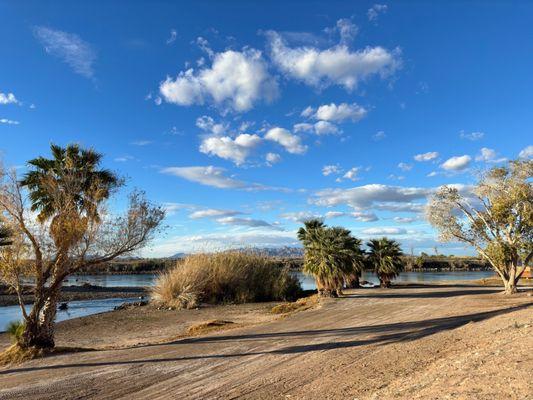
<point>209,326</point>
<point>226,277</point>
<point>15,354</point>
<point>302,304</point>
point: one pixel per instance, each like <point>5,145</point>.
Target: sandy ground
<point>402,343</point>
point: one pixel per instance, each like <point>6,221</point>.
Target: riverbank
<point>406,342</point>
<point>74,293</point>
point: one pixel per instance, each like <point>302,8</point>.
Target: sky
<point>245,118</point>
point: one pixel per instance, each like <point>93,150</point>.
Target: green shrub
<point>15,329</point>
<point>226,277</point>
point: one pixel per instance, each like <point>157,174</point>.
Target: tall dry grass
<point>226,277</point>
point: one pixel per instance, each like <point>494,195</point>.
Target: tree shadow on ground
<point>394,293</point>
<point>373,334</point>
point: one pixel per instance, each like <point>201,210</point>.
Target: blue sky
<point>244,119</point>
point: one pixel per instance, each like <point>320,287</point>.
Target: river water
<point>87,307</point>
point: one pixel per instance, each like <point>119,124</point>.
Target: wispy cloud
<point>68,47</point>
<point>8,121</point>
<point>8,98</point>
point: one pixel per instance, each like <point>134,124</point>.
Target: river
<point>87,307</point>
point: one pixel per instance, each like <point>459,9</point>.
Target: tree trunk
<point>39,331</point>
<point>510,280</point>
<point>327,293</point>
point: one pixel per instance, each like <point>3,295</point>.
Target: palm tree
<point>67,189</point>
<point>69,165</point>
<point>385,254</point>
<point>332,255</point>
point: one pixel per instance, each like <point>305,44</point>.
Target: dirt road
<point>408,343</point>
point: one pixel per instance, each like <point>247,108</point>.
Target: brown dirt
<point>401,343</point>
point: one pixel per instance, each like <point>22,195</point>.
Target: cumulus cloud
<point>378,196</point>
<point>208,124</point>
<point>337,65</point>
<point>331,169</point>
<point>291,143</point>
<point>526,152</point>
<point>431,155</point>
<point>374,11</point>
<point>473,136</point>
<point>8,98</point>
<point>352,174</point>
<point>326,128</point>
<point>336,113</point>
<point>405,167</point>
<point>272,158</point>
<point>235,81</point>
<point>457,163</point>
<point>300,216</point>
<point>236,150</point>
<point>68,47</point>
<point>358,216</point>
<point>489,156</point>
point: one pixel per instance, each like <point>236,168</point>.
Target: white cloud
<point>431,155</point>
<point>473,136</point>
<point>213,213</point>
<point>173,36</point>
<point>404,220</point>
<point>331,169</point>
<point>337,65</point>
<point>303,127</point>
<point>8,121</point>
<point>384,231</point>
<point>338,113</point>
<point>347,30</point>
<point>236,150</point>
<point>125,158</point>
<point>141,142</point>
<point>380,135</point>
<point>526,152</point>
<point>307,112</point>
<point>374,11</point>
<point>325,128</point>
<point>216,177</point>
<point>290,142</point>
<point>300,216</point>
<point>358,216</point>
<point>458,163</point>
<point>378,196</point>
<point>253,223</point>
<point>227,240</point>
<point>405,167</point>
<point>8,98</point>
<point>272,158</point>
<point>70,48</point>
<point>209,176</point>
<point>208,124</point>
<point>236,81</point>
<point>489,156</point>
<point>352,174</point>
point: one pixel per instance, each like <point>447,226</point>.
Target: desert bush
<point>15,329</point>
<point>225,277</point>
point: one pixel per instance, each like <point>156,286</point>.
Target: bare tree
<point>497,219</point>
<point>74,231</point>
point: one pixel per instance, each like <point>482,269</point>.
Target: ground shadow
<point>382,334</point>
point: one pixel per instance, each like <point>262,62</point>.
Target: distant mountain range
<point>282,252</point>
